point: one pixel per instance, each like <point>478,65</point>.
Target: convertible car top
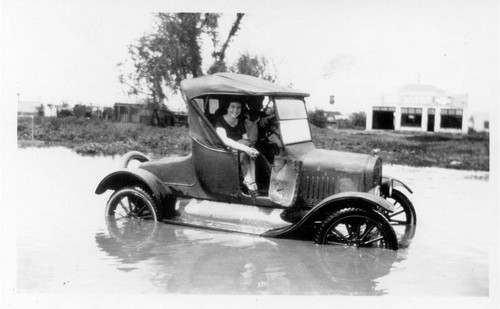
<point>235,84</point>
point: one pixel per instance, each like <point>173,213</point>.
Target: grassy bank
<point>468,152</point>
<point>91,137</point>
<point>95,137</point>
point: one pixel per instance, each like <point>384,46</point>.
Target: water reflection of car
<point>190,260</point>
<point>130,240</point>
<point>331,197</point>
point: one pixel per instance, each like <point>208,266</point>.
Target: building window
<point>411,117</point>
<point>451,118</point>
<point>486,124</point>
<point>384,108</point>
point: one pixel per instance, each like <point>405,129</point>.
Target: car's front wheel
<point>357,227</point>
<point>404,211</point>
<point>132,202</point>
<point>403,219</point>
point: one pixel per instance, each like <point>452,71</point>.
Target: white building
<point>419,107</point>
<point>35,108</point>
<point>479,121</point>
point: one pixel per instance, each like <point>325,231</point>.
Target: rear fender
<point>134,177</point>
<point>331,204</point>
<point>388,183</point>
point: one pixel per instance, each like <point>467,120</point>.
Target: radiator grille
<point>316,188</point>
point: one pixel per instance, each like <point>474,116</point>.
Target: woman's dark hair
<point>247,103</point>
<point>224,105</point>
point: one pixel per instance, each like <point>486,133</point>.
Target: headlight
<point>387,185</point>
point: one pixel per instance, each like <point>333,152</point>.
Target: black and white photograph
<point>260,154</point>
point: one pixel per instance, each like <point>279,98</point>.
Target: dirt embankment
<point>92,137</point>
<point>459,151</point>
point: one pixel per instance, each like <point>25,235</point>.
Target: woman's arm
<point>234,144</point>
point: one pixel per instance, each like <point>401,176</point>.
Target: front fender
<point>366,199</point>
<point>331,204</point>
<point>134,177</point>
<point>388,183</point>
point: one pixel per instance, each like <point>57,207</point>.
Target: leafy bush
<point>94,136</point>
<point>317,118</point>
<point>358,120</point>
<point>64,113</point>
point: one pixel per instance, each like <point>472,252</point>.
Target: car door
<point>285,180</point>
<point>215,165</point>
<point>294,129</point>
<point>217,170</point>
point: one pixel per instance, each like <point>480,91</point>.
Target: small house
<point>35,108</point>
<point>479,121</point>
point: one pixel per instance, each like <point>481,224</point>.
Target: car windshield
<point>294,125</point>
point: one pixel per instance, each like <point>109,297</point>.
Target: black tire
<point>357,227</point>
<point>134,156</point>
<point>404,213</point>
<point>132,202</point>
<point>403,219</point>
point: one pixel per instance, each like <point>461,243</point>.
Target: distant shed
<point>132,112</point>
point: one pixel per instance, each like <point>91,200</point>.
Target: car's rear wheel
<point>357,227</point>
<point>132,202</point>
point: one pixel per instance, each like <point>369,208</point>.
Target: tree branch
<point>236,26</point>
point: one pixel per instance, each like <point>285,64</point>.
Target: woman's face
<point>234,109</point>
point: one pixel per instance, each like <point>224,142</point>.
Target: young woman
<point>231,129</point>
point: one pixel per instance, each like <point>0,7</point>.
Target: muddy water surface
<point>65,245</point>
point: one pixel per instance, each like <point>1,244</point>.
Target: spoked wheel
<point>404,213</point>
<point>135,157</point>
<point>404,217</point>
<point>132,202</point>
<point>358,228</point>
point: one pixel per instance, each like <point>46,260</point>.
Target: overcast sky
<point>68,50</point>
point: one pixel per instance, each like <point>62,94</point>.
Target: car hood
<point>327,160</point>
<point>328,172</point>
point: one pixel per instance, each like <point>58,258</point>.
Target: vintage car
<point>327,196</point>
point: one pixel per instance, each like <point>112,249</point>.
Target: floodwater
<point>65,245</point>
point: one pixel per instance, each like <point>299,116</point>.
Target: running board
<point>239,218</point>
